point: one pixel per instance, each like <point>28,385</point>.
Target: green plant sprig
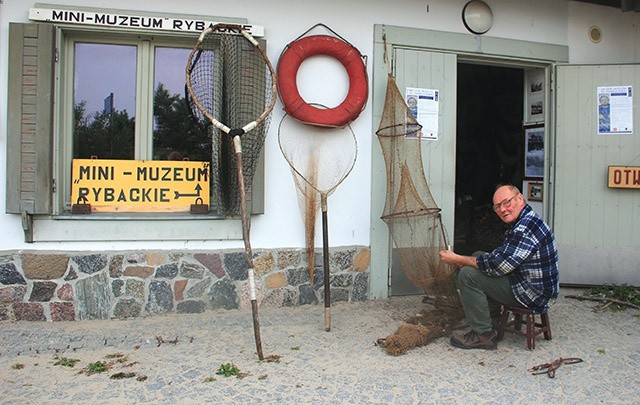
<point>624,293</point>
<point>228,370</point>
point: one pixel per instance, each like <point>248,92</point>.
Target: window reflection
<point>104,99</point>
<point>176,135</point>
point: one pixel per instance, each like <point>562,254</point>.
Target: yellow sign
<point>140,185</point>
<point>624,177</point>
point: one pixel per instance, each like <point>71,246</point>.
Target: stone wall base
<point>51,286</point>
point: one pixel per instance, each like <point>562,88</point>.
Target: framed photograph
<point>534,96</point>
<point>534,152</point>
<point>534,191</point>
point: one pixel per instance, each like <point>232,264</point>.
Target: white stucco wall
<point>546,21</point>
<point>620,34</point>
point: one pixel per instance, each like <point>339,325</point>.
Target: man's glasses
<point>505,203</point>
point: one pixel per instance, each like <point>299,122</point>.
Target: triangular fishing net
<point>233,83</point>
<point>411,213</point>
<point>320,158</point>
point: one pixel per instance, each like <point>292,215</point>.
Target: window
<point>127,101</point>
<point>175,134</point>
<point>87,92</point>
<point>103,75</point>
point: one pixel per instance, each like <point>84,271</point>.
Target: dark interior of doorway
<point>489,151</point>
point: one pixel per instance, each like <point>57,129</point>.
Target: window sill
<point>143,216</point>
<point>134,227</point>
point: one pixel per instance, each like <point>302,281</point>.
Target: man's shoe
<point>495,326</point>
<point>495,323</point>
<point>473,340</point>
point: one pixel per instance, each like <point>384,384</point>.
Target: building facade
<point>73,70</point>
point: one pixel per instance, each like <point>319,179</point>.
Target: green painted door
<point>597,227</point>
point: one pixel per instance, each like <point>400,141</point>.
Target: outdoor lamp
<point>477,17</point>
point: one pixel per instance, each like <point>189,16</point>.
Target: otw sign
<point>140,185</point>
<point>623,177</point>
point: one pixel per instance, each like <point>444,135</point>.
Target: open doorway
<point>487,86</point>
<point>489,150</point>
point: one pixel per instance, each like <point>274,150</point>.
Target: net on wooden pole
<point>320,158</point>
<point>410,211</point>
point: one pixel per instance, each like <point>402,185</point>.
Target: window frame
<point>59,224</point>
<point>143,139</point>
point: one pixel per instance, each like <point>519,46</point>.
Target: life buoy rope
<point>352,60</point>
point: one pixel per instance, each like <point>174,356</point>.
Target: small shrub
<point>624,292</point>
<point>65,362</point>
<point>97,367</point>
<point>228,370</point>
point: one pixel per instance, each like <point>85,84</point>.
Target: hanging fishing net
<point>320,159</point>
<point>413,217</point>
<point>231,79</point>
<point>231,82</point>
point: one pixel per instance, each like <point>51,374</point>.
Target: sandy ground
<point>174,359</point>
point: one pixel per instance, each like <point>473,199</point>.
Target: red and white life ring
<point>289,63</point>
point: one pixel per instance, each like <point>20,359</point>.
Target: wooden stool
<point>532,329</point>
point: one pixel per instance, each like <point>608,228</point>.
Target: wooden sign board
<point>140,185</point>
<point>624,177</point>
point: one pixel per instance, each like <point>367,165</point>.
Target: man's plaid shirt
<point>530,259</point>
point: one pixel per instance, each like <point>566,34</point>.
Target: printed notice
<point>424,105</point>
<point>615,110</point>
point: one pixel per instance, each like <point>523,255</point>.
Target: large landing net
<point>411,212</point>
<point>231,83</point>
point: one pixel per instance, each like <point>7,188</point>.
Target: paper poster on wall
<point>424,105</point>
<point>534,97</point>
<point>534,152</point>
<point>615,110</point>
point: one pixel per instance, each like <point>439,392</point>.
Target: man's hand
<point>448,256</point>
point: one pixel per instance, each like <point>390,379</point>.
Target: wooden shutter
<point>30,118</point>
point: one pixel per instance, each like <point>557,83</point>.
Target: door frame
<point>489,50</point>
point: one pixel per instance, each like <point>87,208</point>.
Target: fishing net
<point>412,215</point>
<point>320,159</point>
<point>238,103</point>
<point>232,80</point>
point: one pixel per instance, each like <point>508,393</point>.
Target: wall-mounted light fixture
<point>477,17</point>
<point>595,34</point>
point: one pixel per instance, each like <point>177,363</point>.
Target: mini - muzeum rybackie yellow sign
<point>140,185</point>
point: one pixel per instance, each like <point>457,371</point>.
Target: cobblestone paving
<point>174,359</point>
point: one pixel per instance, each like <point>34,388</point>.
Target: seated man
<point>522,272</point>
